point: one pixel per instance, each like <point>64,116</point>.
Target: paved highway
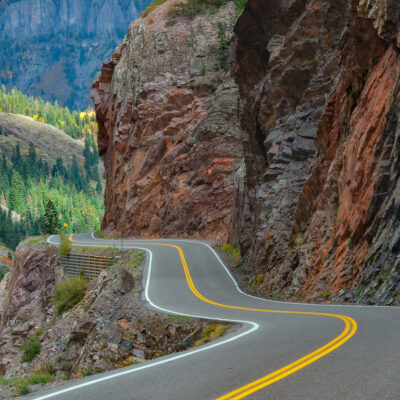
<point>279,351</point>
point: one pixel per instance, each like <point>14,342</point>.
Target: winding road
<point>280,350</point>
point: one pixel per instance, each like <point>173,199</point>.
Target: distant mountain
<point>54,48</point>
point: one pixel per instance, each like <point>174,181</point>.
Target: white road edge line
<point>255,326</point>
<point>260,298</point>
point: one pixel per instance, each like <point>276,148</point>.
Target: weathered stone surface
<point>168,129</point>
<point>315,108</point>
<point>110,328</point>
<point>315,200</point>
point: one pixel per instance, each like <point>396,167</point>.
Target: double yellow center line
<point>246,390</point>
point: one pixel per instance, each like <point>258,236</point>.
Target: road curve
<point>281,350</point>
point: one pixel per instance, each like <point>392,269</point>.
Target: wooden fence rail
<point>90,266</point>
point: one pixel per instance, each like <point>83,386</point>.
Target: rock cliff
<point>169,127</point>
<point>317,200</point>
<point>311,132</point>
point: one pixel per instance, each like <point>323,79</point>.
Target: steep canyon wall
<point>169,128</point>
<point>293,156</point>
<point>316,203</point>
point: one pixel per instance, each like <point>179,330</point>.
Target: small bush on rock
<point>65,245</point>
<point>68,293</point>
<point>31,347</point>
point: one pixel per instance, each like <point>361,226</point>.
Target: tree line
<point>33,189</point>
<point>74,123</point>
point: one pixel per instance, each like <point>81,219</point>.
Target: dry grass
<point>50,141</point>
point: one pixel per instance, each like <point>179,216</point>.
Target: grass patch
<point>239,4</point>
<point>192,8</point>
<point>152,7</point>
<point>31,347</point>
<point>178,318</point>
<point>21,385</point>
<point>326,295</point>
<point>40,378</point>
<point>234,253</point>
<point>135,259</point>
<point>35,240</point>
<point>211,332</point>
<point>68,293</point>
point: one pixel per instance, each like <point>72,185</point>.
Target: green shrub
<point>39,378</point>
<point>65,245</point>
<point>100,234</point>
<point>212,332</point>
<point>178,319</point>
<point>135,259</point>
<point>239,4</point>
<point>191,8</point>
<point>326,295</point>
<point>350,244</point>
<point>224,42</point>
<point>31,347</point>
<point>152,7</point>
<point>234,252</point>
<point>68,293</point>
<point>21,387</point>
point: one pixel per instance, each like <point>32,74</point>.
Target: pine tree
<point>50,223</point>
<point>17,194</point>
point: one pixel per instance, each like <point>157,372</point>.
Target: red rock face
<point>297,163</point>
<point>169,130</point>
<point>316,203</point>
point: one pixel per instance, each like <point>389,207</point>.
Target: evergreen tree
<point>17,194</point>
<point>50,223</point>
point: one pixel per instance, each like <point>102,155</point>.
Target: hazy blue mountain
<point>54,48</point>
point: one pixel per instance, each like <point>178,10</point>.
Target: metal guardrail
<point>90,266</point>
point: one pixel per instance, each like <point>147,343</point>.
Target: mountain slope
<point>53,49</point>
<point>50,141</point>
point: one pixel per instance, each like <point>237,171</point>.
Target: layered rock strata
<point>168,127</point>
<point>316,202</point>
<point>311,134</point>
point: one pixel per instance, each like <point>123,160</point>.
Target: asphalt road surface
<point>279,351</point>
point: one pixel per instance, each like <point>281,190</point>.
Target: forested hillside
<point>73,123</point>
<point>39,163</point>
<point>54,49</point>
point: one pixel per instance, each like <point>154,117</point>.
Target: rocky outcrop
<point>168,127</point>
<point>316,188</point>
<point>110,328</point>
<point>54,49</point>
<point>317,197</point>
